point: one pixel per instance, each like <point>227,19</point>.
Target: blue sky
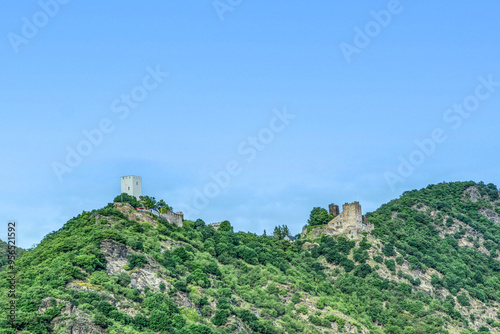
<point>263,95</point>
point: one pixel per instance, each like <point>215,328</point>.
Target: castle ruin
<point>174,218</point>
<point>349,222</point>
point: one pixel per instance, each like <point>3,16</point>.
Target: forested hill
<point>431,265</point>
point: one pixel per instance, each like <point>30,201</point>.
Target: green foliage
<point>360,255</point>
<point>388,250</point>
<point>419,239</point>
<point>181,286</point>
<point>318,216</point>
<point>6,252</point>
<point>160,321</point>
<point>123,279</point>
<point>126,198</point>
<point>463,299</point>
<point>364,244</point>
<point>390,264</point>
<point>281,232</point>
<point>225,226</point>
<point>220,317</point>
<point>136,260</point>
<point>319,321</point>
<point>148,202</point>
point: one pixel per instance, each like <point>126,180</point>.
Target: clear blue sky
<point>359,100</point>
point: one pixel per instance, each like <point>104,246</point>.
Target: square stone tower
<point>333,210</point>
<point>352,216</point>
<point>132,185</point>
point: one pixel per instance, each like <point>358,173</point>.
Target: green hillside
<point>430,265</point>
<point>4,258</point>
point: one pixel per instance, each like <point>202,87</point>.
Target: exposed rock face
<point>309,245</point>
<point>473,193</point>
<point>133,214</point>
<point>116,259</point>
<point>146,276</point>
<point>170,244</point>
<point>183,300</point>
<point>491,215</point>
<point>116,256</point>
<point>73,320</point>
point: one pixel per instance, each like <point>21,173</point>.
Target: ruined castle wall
<point>333,209</point>
<point>174,218</point>
<point>350,222</point>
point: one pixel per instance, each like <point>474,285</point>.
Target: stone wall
<point>174,218</point>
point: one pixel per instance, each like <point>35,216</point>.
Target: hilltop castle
<point>349,222</point>
<point>132,185</point>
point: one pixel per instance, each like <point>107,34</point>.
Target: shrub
<point>181,286</point>
<point>388,250</point>
<point>390,264</point>
<point>136,260</point>
<point>220,317</point>
<point>319,321</point>
<point>462,299</point>
<point>123,279</point>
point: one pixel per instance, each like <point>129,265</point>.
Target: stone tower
<point>131,185</point>
<point>352,216</point>
<point>333,210</point>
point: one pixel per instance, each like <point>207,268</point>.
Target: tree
<point>126,198</point>
<point>280,232</point>
<point>285,230</point>
<point>318,216</point>
<point>463,300</point>
<point>388,250</point>
<point>225,226</point>
<point>140,321</point>
<point>220,317</point>
<point>136,260</point>
<point>163,207</point>
<point>199,223</point>
<point>160,320</point>
<point>148,202</point>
